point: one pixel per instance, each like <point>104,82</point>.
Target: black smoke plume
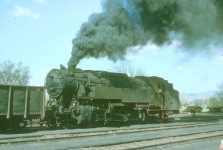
<point>127,23</point>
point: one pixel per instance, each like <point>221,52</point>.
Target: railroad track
<point>148,143</point>
<point>83,134</point>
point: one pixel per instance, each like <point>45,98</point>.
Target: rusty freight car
<point>19,104</point>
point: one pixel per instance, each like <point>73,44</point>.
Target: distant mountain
<point>192,96</point>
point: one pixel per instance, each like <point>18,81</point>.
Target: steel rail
<point>63,136</point>
<point>151,143</point>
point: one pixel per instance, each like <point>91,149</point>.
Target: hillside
<point>191,96</point>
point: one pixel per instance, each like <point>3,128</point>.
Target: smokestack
<point>128,23</point>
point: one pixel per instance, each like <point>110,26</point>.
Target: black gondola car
<point>18,104</point>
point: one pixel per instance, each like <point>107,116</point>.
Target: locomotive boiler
<point>81,97</point>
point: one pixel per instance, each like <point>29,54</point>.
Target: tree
<point>129,69</point>
<point>198,102</point>
<point>14,73</point>
<point>219,93</point>
<point>213,102</point>
<point>218,101</point>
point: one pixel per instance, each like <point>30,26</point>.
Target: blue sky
<point>39,33</point>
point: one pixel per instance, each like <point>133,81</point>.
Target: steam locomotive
<point>81,97</point>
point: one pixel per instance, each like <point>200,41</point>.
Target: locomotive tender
<point>81,97</point>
